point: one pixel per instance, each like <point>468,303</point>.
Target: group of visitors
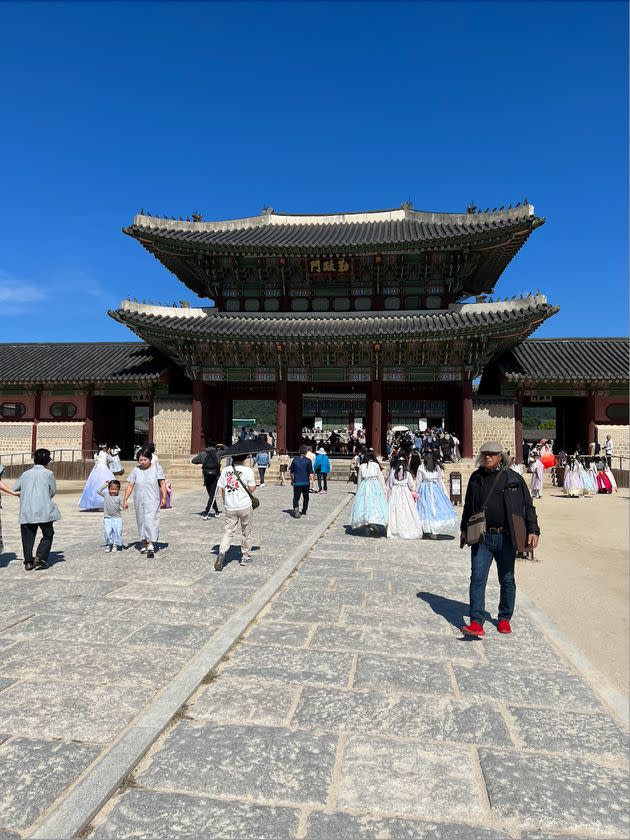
<point>443,445</point>
<point>335,442</point>
<point>409,503</point>
<point>586,480</point>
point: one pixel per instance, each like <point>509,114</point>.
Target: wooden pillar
<point>518,427</point>
<point>150,433</point>
<point>196,435</point>
<point>281,416</point>
<point>87,442</point>
<point>376,416</point>
<point>294,415</point>
<point>36,418</point>
<point>228,418</point>
<point>591,411</point>
<point>467,420</point>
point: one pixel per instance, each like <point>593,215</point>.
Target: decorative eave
<point>157,324</point>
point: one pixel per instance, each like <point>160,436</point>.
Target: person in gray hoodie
<point>37,487</point>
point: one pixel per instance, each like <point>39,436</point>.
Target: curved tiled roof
<point>129,361</point>
<point>355,230</point>
<point>567,360</point>
<point>208,324</point>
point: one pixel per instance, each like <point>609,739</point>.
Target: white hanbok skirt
<point>404,521</point>
<point>90,499</point>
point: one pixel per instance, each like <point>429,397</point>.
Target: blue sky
<point>320,107</point>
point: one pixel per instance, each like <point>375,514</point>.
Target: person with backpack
<point>262,462</point>
<point>211,470</point>
<point>322,468</point>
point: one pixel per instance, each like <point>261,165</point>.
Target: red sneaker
<point>503,626</point>
<point>473,629</point>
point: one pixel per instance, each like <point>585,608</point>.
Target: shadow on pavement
<point>452,611</point>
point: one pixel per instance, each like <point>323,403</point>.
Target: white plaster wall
<point>15,437</point>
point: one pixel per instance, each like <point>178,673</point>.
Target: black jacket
<point>519,508</point>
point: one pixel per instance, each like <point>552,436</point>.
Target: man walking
<point>608,450</point>
<point>37,487</point>
<point>510,526</point>
<point>301,472</point>
<point>210,468</point>
<point>236,484</point>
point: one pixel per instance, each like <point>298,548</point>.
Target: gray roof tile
<point>80,362</point>
<point>567,359</point>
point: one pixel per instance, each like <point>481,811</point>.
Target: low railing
<point>67,464</point>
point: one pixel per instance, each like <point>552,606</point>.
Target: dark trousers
<point>261,473</point>
<point>300,490</point>
<point>210,482</point>
<point>322,477</point>
<point>499,547</point>
<point>29,532</point>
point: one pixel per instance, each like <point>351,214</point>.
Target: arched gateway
<point>361,311</point>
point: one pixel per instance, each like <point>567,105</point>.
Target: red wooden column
<point>196,435</point>
<point>281,417</point>
<point>518,427</point>
<point>375,412</point>
<point>150,436</point>
<point>467,420</point>
<point>294,415</point>
<point>88,426</point>
<point>591,413</point>
<point>36,418</point>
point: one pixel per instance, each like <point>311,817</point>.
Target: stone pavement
<point>351,708</point>
<point>354,708</point>
<point>87,643</point>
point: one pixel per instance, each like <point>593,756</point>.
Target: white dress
<point>146,500</point>
<point>90,499</point>
<point>115,464</point>
<point>404,521</point>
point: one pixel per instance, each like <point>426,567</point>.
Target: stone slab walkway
<point>87,644</point>
<point>354,708</point>
<point>351,708</point>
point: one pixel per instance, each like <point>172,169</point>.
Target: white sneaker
<point>143,550</point>
<point>108,549</point>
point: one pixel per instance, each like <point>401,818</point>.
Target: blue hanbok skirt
<point>437,514</point>
<point>370,505</point>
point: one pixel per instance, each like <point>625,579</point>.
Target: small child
<point>112,515</point>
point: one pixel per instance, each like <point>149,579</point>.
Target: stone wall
<point>15,437</point>
<point>172,426</point>
<point>493,420</point>
<point>61,435</point>
<point>620,438</point>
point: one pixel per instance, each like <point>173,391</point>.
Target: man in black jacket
<point>211,470</point>
<point>511,526</point>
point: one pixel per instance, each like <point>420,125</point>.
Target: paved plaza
<point>351,706</point>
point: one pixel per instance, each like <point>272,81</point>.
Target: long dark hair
<point>145,452</point>
<point>401,469</point>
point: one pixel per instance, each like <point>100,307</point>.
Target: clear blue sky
<point>227,108</point>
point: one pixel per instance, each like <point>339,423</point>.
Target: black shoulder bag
<point>476,526</point>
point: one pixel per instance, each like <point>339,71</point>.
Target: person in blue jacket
<point>262,462</point>
<point>322,468</point>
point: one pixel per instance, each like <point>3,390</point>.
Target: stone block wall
<point>15,437</point>
<point>172,426</point>
<point>493,420</point>
<point>620,437</point>
<point>61,435</point>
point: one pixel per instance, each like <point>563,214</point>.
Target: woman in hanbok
<point>147,483</point>
<point>404,520</point>
<point>369,509</point>
<point>115,465</point>
<point>589,481</point>
<point>436,512</point>
<point>97,479</point>
<point>572,485</point>
<point>538,471</point>
<point>457,455</point>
